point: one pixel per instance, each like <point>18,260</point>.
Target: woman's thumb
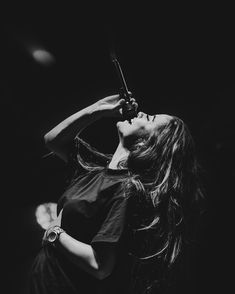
<point>120,103</point>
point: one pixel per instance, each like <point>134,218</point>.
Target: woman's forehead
<point>163,118</point>
<point>159,120</point>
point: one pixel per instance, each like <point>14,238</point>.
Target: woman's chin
<point>119,123</point>
<point>124,121</point>
<point>122,124</point>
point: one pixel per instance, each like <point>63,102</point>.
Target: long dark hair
<point>165,190</point>
<point>164,193</point>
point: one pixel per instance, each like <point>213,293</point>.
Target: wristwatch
<point>53,234</point>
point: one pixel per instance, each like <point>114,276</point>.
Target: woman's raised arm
<point>58,139</point>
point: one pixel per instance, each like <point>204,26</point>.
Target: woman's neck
<point>121,153</point>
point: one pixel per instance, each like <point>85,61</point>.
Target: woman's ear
<point>141,142</point>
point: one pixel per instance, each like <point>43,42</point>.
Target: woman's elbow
<point>51,141</point>
<point>106,262</point>
<point>97,270</point>
<point>103,274</point>
<point>48,138</point>
<point>101,271</point>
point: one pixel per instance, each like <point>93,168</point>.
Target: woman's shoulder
<point>100,176</point>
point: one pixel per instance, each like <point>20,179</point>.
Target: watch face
<point>52,236</point>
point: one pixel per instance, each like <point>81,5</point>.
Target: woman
<point>124,218</point>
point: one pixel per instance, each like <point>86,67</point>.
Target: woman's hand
<point>112,105</point>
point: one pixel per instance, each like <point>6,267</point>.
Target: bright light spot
<point>42,56</point>
<point>45,214</point>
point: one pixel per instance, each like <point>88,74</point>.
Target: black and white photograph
<point>117,148</point>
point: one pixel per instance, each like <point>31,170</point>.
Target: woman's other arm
<point>58,139</point>
<point>99,262</point>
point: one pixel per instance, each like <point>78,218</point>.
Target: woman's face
<point>141,126</point>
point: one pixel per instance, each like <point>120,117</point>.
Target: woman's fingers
<point>123,101</point>
<point>118,108</point>
<point>112,105</point>
<point>134,103</point>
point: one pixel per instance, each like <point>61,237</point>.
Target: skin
<point>142,125</point>
<point>99,263</point>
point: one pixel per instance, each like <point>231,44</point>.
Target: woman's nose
<point>141,114</point>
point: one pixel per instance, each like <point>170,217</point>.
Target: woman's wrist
<point>109,106</point>
<point>95,110</point>
<point>51,235</point>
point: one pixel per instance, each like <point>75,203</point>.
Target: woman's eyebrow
<point>154,117</point>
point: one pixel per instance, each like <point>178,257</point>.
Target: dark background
<point>176,59</point>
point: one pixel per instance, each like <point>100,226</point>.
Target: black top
<point>94,212</point>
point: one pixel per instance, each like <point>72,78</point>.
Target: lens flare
<point>42,56</point>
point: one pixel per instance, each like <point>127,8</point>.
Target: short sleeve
<point>114,224</point>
